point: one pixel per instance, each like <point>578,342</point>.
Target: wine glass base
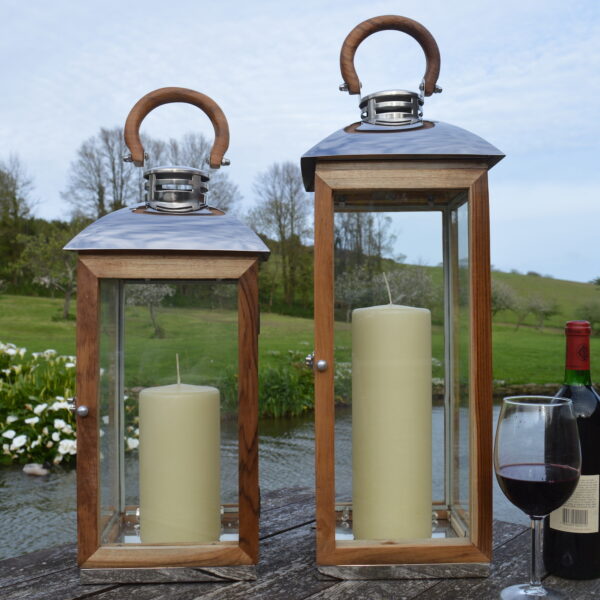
<point>525,591</point>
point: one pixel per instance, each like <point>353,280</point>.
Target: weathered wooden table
<point>286,570</point>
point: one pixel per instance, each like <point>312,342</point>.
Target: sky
<point>524,75</point>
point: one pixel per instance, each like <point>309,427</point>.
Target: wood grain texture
<point>481,367</point>
<point>249,501</point>
<point>383,23</point>
<point>165,265</point>
<point>135,556</point>
<point>394,175</point>
<point>167,95</point>
<point>286,571</point>
<point>88,367</point>
<point>324,393</point>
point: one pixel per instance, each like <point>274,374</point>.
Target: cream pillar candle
<point>391,422</point>
<point>180,464</point>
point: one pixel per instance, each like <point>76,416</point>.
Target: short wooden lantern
<point>415,498</point>
<point>167,346</point>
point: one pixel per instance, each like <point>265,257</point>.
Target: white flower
<point>70,365</point>
<point>105,419</point>
<point>67,429</point>
<point>19,441</point>
<point>67,447</point>
<point>36,354</point>
<point>45,431</point>
<point>59,405</point>
<point>59,397</point>
<point>9,433</point>
<point>55,436</point>
<point>49,353</point>
<point>132,443</point>
<point>5,448</point>
<point>32,420</point>
<point>59,424</point>
<point>17,368</point>
<point>35,443</point>
<point>11,419</point>
<point>6,371</point>
<point>39,409</point>
<point>57,459</point>
<point>10,351</point>
<point>49,444</point>
<point>22,352</point>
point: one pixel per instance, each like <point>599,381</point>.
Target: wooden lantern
<point>167,489</point>
<point>394,162</point>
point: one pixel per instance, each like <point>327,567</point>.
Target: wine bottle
<point>572,532</point>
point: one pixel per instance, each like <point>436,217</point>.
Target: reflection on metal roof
<point>142,230</point>
<point>431,140</point>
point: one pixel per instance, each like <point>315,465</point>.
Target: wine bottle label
<point>579,514</point>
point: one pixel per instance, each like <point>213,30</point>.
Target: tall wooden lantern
<point>415,497</point>
<point>167,342</point>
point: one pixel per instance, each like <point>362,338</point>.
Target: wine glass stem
<point>536,539</point>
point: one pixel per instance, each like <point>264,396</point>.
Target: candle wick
<point>387,285</point>
<point>177,362</point>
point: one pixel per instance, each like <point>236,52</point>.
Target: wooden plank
<point>60,585</point>
<point>282,575</point>
<point>165,266</point>
<point>395,175</point>
<point>371,590</point>
<point>278,498</point>
<point>324,393</point>
<point>510,566</point>
<point>347,553</point>
<point>162,591</point>
<point>249,500</point>
<point>88,367</point>
<point>185,555</point>
<point>281,520</point>
<point>481,367</point>
<point>19,569</point>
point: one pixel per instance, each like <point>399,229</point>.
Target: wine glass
<point>537,460</point>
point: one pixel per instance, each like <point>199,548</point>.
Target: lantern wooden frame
<point>92,268</point>
<point>422,180</point>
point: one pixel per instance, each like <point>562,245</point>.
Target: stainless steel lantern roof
<point>140,229</point>
<point>431,140</point>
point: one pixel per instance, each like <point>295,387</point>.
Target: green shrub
<point>36,424</point>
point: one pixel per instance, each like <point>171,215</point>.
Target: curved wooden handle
<point>366,28</point>
<point>175,94</point>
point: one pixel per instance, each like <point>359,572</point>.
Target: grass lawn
<point>208,339</point>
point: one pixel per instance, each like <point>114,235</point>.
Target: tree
<point>503,297</point>
<point>150,295</point>
<point>51,266</point>
<point>353,288</point>
<point>412,285</point>
<point>15,214</point>
<point>281,213</point>
<point>590,311</point>
<point>542,309</point>
<point>362,238</point>
<point>101,182</point>
<point>522,309</point>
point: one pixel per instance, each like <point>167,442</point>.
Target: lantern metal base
<point>431,571</point>
<point>169,575</point>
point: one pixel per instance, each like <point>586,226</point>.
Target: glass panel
<point>173,447</point>
<point>111,505</point>
<point>460,401</point>
<point>389,429</point>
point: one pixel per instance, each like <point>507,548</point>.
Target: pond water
<point>38,512</point>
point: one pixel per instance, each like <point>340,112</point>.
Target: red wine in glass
<point>537,489</point>
<point>537,459</point>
